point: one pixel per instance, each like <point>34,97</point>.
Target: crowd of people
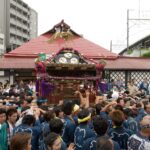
<point>117,119</point>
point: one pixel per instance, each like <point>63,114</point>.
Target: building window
<point>1,41</point>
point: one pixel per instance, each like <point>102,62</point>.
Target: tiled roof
<point>121,63</point>
<point>128,63</point>
<point>16,63</point>
<point>23,56</point>
<point>41,44</point>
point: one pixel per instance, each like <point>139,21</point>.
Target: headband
<point>76,107</point>
<point>84,119</point>
<point>42,100</point>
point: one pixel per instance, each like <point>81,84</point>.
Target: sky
<point>99,21</point>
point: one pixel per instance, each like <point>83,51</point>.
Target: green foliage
<point>144,49</point>
<point>129,51</point>
<point>1,55</point>
<point>146,55</point>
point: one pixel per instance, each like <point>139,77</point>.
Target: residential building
<point>2,46</point>
<point>33,24</point>
<point>16,19</point>
<point>140,48</point>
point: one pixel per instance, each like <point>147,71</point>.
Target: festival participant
<point>99,97</point>
<point>144,86</point>
<point>118,133</point>
<point>23,103</point>
<point>84,98</point>
<point>42,102</point>
<point>56,126</point>
<point>98,108</point>
<point>21,141</point>
<point>104,143</point>
<point>120,101</point>
<point>140,140</point>
<point>48,115</point>
<point>131,122</point>
<point>3,130</point>
<point>45,124</point>
<point>53,142</point>
<point>111,84</point>
<point>31,86</point>
<point>93,114</point>
<point>12,116</point>
<point>105,112</point>
<point>100,127</point>
<point>115,93</point>
<point>119,83</point>
<point>83,131</point>
<point>76,110</point>
<point>103,86</point>
<point>1,88</point>
<point>143,111</point>
<point>133,90</point>
<point>69,124</point>
<point>31,124</point>
<point>6,89</point>
<point>59,112</point>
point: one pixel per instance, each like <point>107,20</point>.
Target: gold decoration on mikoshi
<point>64,35</point>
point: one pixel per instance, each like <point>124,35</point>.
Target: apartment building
<point>18,23</point>
<point>2,45</point>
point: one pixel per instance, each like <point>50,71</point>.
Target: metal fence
<point>126,75</point>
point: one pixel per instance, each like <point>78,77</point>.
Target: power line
<point>133,19</point>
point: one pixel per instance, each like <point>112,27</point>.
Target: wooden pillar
<point>126,77</point>
<point>11,76</point>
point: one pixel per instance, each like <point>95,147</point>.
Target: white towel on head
<point>115,95</point>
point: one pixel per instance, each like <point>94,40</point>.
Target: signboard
<point>42,56</point>
<point>1,73</point>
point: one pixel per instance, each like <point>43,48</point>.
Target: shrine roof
<point>60,36</point>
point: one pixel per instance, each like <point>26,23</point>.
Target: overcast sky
<point>99,21</point>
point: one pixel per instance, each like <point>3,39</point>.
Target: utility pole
<point>127,30</point>
<point>139,7</point>
<point>132,19</point>
<point>111,46</point>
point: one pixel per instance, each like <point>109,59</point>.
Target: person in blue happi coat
<point>143,111</point>
<point>140,140</point>
<point>56,125</point>
<point>69,124</point>
<point>130,120</point>
<point>119,133</point>
<point>100,127</point>
<point>83,131</point>
<point>31,125</point>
